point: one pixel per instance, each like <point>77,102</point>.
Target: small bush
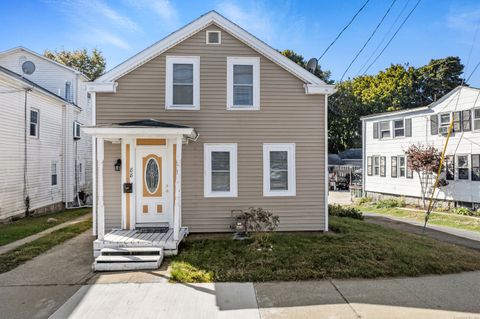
<point>465,211</point>
<point>340,211</point>
<point>365,200</point>
<point>185,272</point>
<point>390,203</point>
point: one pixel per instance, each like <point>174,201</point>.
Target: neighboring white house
<point>46,161</point>
<point>387,136</point>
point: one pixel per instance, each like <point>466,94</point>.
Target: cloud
<point>466,20</point>
<point>100,36</point>
<point>162,8</point>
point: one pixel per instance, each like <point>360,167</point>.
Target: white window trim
<point>473,118</point>
<point>457,167</point>
<point>219,37</point>
<point>207,179</point>
<point>393,128</point>
<point>389,130</point>
<point>75,125</point>
<point>37,130</point>
<point>170,60</point>
<point>253,61</point>
<point>290,148</point>
<point>56,173</point>
<point>81,175</point>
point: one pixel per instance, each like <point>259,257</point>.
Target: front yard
<point>441,219</point>
<point>353,249</point>
<point>31,225</point>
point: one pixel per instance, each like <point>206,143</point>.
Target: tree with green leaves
<point>299,59</point>
<point>92,65</point>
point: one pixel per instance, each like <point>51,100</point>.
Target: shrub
<point>261,223</point>
<point>340,211</point>
<point>365,200</point>
<point>390,203</point>
<point>185,272</point>
<point>465,211</point>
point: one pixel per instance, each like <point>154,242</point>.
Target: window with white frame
<point>214,37</point>
<point>220,170</point>
<point>182,83</point>
<point>444,123</point>
<point>243,83</point>
<point>398,128</point>
<point>54,173</point>
<point>384,129</point>
<point>76,130</point>
<point>34,122</point>
<point>401,166</point>
<point>475,167</point>
<point>476,119</point>
<point>369,166</point>
<point>376,165</point>
<point>449,168</point>
<point>81,173</point>
<point>279,170</point>
<point>462,167</point>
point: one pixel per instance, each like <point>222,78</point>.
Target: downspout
<point>26,197</point>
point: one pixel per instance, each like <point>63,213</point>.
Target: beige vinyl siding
<point>112,186</point>
<point>286,115</point>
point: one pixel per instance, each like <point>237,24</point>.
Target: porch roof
<point>146,127</point>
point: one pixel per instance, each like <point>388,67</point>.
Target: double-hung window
<point>462,167</point>
<point>385,129</point>
<point>376,165</point>
<point>394,166</point>
<point>182,90</point>
<point>444,123</point>
<point>383,166</point>
<point>34,122</point>
<point>475,167</point>
<point>401,166</point>
<point>279,170</point>
<point>54,174</point>
<point>369,166</point>
<point>476,119</point>
<point>409,168</point>
<point>220,169</point>
<point>449,168</point>
<point>398,128</point>
<point>243,83</point>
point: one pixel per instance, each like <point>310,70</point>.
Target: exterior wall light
<point>118,164</point>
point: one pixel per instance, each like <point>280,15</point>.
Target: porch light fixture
<point>118,164</point>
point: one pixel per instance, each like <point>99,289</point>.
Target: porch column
<point>177,215</point>
<point>100,207</point>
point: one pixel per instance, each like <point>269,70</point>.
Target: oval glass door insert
<point>152,176</point>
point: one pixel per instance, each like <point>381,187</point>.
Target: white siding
<point>460,143</point>
<point>41,151</point>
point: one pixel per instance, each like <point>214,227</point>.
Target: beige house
<point>207,120</point>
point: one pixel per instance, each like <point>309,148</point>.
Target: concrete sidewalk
<point>450,296</point>
<point>18,243</point>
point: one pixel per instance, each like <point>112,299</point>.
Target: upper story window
<point>68,91</point>
<point>243,83</point>
<point>76,130</point>
<point>34,122</point>
<point>476,119</point>
<point>214,37</point>
<point>279,170</point>
<point>384,129</point>
<point>398,128</point>
<point>182,83</point>
<point>220,169</point>
<point>444,123</point>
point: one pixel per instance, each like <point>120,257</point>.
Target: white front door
<point>152,185</point>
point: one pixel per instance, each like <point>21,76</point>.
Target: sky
<point>122,28</point>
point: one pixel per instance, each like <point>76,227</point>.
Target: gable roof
<point>18,78</point>
<point>421,108</point>
<point>20,48</point>
<point>193,27</point>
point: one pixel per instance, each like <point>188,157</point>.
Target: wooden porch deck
<point>134,238</point>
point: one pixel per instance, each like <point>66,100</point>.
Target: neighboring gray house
<point>208,120</point>
<point>46,160</point>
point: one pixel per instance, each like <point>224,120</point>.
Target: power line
<point>369,38</point>
<point>384,37</point>
<point>345,28</point>
<point>393,36</point>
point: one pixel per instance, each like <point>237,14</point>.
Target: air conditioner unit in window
<point>443,130</point>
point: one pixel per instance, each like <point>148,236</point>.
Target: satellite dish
<point>28,67</point>
<point>312,65</point>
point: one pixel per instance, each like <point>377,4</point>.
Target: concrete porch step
<point>128,258</point>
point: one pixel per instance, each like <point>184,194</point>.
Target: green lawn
<point>16,257</point>
<point>443,219</point>
<point>354,249</point>
<point>34,224</point>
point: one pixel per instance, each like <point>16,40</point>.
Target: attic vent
<point>213,37</point>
